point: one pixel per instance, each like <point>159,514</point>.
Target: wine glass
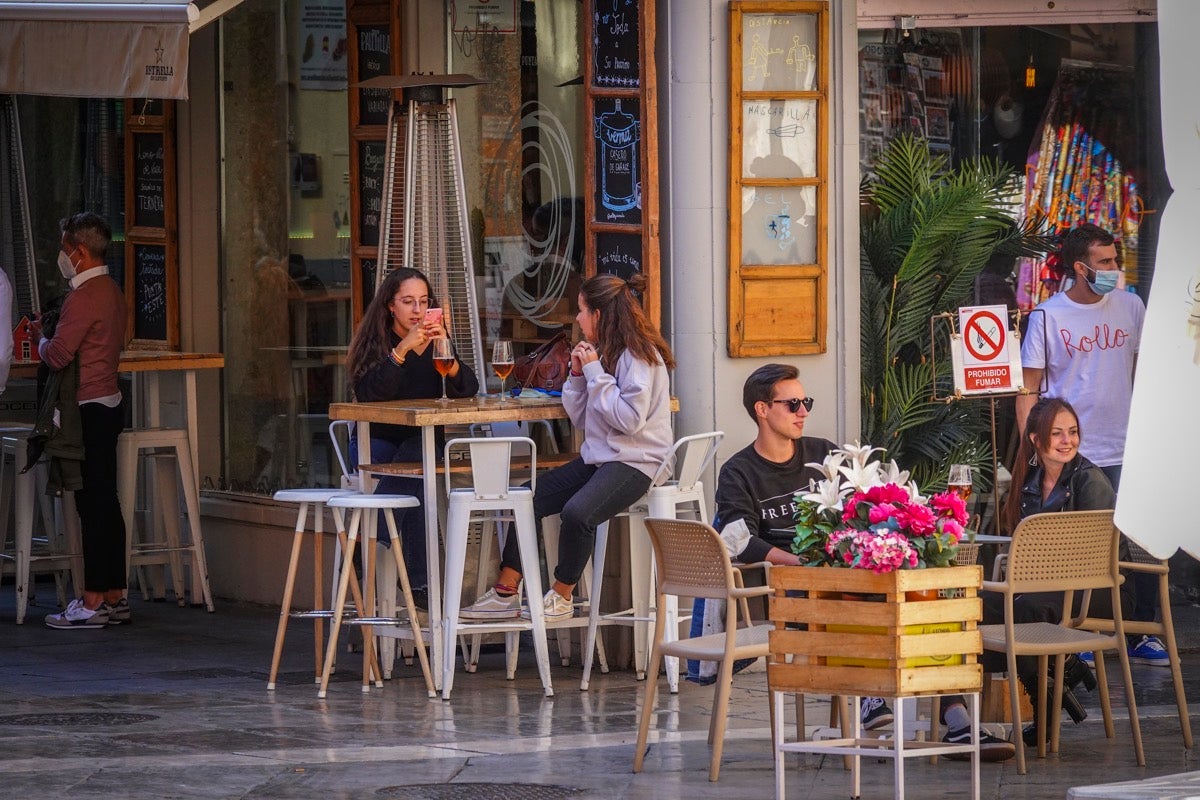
<point>443,362</point>
<point>502,362</point>
<point>959,481</point>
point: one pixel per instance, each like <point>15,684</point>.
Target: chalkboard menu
<point>371,157</point>
<point>150,297</point>
<point>618,253</point>
<point>149,185</point>
<point>617,129</point>
<point>374,59</point>
<point>615,61</point>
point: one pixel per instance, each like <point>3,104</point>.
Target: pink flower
<point>951,527</point>
<point>917,519</point>
<point>888,493</point>
<point>948,504</point>
<point>881,513</point>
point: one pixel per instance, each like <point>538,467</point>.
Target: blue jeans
<point>409,521</point>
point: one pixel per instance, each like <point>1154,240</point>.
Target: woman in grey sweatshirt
<point>618,394</point>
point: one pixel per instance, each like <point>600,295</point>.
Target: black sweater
<point>415,379</point>
<point>762,493</point>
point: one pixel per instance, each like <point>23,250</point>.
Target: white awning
<point>93,48</point>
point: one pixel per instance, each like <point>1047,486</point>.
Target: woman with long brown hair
<point>618,396</point>
<point>390,358</point>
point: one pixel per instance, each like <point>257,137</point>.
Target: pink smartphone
<point>433,315</point>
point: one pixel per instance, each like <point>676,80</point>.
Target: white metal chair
<point>1063,552</point>
<point>59,550</point>
<point>491,491</point>
<point>170,451</point>
<point>689,458</point>
<point>692,562</point>
<point>359,522</point>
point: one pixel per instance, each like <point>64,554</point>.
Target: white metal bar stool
<point>490,491</point>
<point>359,521</point>
<point>310,501</point>
<point>170,550</point>
<point>60,551</point>
<point>689,458</point>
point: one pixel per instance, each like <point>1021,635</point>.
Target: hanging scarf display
<point>1077,170</point>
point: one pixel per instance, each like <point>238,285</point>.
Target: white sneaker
<point>555,608</point>
<point>78,617</point>
<point>493,605</point>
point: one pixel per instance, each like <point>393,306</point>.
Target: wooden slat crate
<point>903,645</point>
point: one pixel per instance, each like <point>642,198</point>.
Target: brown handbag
<point>546,367</point>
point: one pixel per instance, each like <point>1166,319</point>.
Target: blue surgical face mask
<point>1106,280</point>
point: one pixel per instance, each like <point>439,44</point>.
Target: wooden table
<point>427,415</point>
<point>149,364</point>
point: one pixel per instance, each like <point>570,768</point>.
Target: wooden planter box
<point>864,637</point>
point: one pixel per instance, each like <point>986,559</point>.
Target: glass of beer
<point>443,362</point>
<point>959,481</point>
<point>502,362</point>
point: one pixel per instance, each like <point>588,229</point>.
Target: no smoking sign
<point>983,363</point>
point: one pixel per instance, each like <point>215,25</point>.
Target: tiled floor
<point>176,706</point>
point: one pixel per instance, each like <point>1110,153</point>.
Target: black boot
<point>1070,704</point>
<point>1077,672</point>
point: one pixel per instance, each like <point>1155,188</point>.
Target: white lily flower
<point>860,476</point>
<point>890,472</point>
<point>915,496</point>
<point>826,495</point>
<point>829,467</point>
<point>859,453</point>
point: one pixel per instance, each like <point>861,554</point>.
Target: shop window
<point>778,177</point>
<point>1073,109</point>
<point>285,287</point>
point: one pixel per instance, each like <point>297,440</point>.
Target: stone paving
<point>176,706</point>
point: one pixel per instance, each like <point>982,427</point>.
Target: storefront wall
<point>693,68</point>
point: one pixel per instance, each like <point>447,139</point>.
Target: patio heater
<point>16,232</point>
<point>424,216</point>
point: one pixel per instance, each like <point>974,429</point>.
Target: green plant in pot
<point>928,231</point>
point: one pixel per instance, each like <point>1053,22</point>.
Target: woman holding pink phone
<point>391,358</point>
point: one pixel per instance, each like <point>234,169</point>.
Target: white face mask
<point>65,266</point>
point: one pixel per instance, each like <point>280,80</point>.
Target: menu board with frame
<point>151,279</point>
<point>372,30</point>
<point>616,57</point>
<point>374,59</point>
<point>149,185</point>
<point>618,254</point>
<point>621,165</point>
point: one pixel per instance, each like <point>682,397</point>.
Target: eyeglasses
<point>794,403</point>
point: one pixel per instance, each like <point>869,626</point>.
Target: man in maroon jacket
<point>91,327</point>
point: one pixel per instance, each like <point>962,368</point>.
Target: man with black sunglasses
<point>757,486</point>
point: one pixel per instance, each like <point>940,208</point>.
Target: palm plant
<point>927,231</point>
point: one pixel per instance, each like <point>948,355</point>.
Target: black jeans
<point>585,495</point>
<point>101,525</point>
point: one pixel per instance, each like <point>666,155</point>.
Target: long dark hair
<point>1035,437</point>
<point>370,344</point>
<point>623,324</point>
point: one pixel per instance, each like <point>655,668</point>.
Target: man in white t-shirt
<point>1081,345</point>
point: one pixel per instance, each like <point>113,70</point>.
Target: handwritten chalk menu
<point>149,184</point>
<point>618,253</point>
<point>371,157</point>
<point>615,61</point>
<point>617,130</point>
<point>150,297</point>
<point>374,59</point>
